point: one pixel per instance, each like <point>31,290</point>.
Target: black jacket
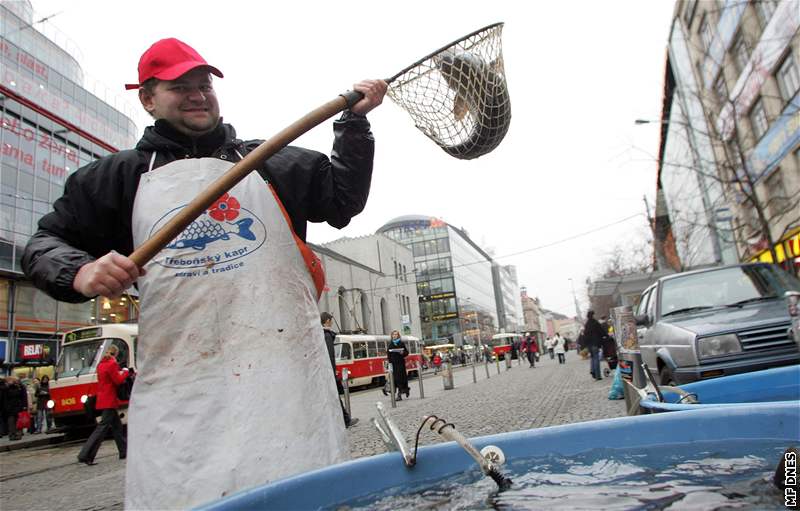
<point>593,333</point>
<point>93,216</point>
<point>330,338</point>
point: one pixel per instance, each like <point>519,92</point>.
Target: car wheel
<point>665,375</point>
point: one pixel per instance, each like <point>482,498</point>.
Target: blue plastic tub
<point>769,385</point>
<point>337,484</point>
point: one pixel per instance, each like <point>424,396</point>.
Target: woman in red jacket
<point>109,377</point>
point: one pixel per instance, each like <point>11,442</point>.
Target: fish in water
<point>482,92</point>
<point>203,232</point>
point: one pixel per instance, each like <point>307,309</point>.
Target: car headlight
<point>718,345</point>
<point>51,404</point>
<point>84,398</point>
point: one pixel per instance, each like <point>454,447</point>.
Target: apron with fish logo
<point>235,387</point>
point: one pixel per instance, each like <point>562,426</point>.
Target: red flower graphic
<point>224,208</point>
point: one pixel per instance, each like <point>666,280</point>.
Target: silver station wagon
<point>715,322</point>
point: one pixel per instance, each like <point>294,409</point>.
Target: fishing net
<point>458,95</point>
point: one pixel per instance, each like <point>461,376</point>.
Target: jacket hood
<point>163,137</point>
<point>734,319</point>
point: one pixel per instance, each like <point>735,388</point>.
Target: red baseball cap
<point>168,59</point>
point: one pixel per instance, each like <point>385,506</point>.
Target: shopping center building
<point>455,288</point>
<point>51,125</point>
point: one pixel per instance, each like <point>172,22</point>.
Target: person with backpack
<point>109,377</point>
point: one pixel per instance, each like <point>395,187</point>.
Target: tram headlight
<point>84,398</point>
<point>51,404</point>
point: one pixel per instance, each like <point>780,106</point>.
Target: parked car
<point>715,322</point>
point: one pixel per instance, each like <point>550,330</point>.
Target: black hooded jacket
<point>93,216</point>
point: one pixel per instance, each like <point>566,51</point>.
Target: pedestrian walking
<point>109,377</point>
<point>397,353</point>
<point>550,344</point>
<point>44,420</point>
<point>326,318</point>
<point>558,347</point>
<point>244,319</point>
<point>593,335</point>
<point>15,402</point>
<point>32,388</point>
<point>532,349</point>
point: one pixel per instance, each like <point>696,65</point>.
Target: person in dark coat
<point>44,420</point>
<point>594,334</point>
<point>16,400</point>
<point>109,377</point>
<point>531,348</point>
<point>330,337</point>
<point>397,353</point>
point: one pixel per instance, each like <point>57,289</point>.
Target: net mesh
<point>459,97</point>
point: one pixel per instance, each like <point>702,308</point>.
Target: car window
<point>723,287</point>
<point>651,304</point>
<point>641,307</point>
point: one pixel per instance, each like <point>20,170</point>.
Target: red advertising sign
<point>33,351</point>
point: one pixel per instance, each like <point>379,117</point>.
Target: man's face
<point>188,103</point>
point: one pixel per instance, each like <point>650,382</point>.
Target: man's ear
<point>146,99</point>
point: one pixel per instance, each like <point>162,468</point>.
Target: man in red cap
<point>234,385</point>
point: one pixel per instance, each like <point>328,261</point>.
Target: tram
<point>74,386</point>
<point>364,355</point>
<point>501,343</point>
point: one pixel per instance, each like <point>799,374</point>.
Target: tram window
<point>359,350</point>
<point>381,348</point>
<point>122,357</point>
<point>372,349</point>
<point>342,351</point>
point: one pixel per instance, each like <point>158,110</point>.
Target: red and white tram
<point>501,343</point>
<point>364,357</point>
<point>74,387</point>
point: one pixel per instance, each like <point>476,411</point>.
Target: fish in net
<point>458,96</point>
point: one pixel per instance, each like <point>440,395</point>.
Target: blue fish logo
<point>202,233</point>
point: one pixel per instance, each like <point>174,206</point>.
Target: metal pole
<point>474,377</point>
<point>419,377</point>
<point>486,365</point>
<point>390,376</point>
<point>497,361</point>
<point>346,387</point>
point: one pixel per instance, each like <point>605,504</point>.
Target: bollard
<point>486,365</point>
<point>447,375</point>
<point>390,376</point>
<point>346,387</point>
<point>497,362</point>
<point>474,377</point>
<point>507,356</point>
<point>419,377</point>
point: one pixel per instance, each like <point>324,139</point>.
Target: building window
<point>758,119</point>
<point>765,9</point>
<point>788,77</point>
<point>705,33</point>
<point>741,52</point>
<point>777,200</point>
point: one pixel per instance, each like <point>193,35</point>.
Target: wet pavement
<point>49,477</point>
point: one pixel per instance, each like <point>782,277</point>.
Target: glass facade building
<point>454,279</point>
<point>51,126</point>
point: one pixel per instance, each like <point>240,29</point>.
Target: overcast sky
<point>579,73</point>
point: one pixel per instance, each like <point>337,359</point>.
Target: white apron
<point>235,387</point>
